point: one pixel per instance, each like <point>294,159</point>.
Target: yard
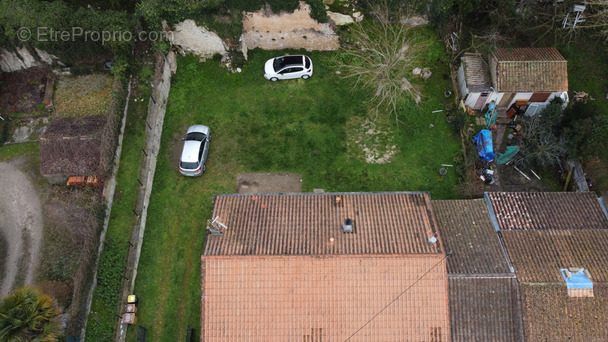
<point>317,128</point>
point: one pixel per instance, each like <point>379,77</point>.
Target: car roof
<point>292,60</point>
<point>190,151</point>
<point>199,128</point>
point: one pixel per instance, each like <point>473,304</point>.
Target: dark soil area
<point>22,91</point>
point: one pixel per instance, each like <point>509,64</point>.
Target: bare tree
<point>382,55</point>
<point>540,147</point>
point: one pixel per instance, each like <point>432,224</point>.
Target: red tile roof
<point>547,210</point>
<point>312,298</point>
<point>530,70</point>
<point>537,256</point>
<point>483,309</point>
<point>305,224</point>
<point>467,231</point>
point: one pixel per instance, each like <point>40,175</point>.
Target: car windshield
<point>280,62</point>
<point>307,62</point>
<point>198,136</point>
<point>188,166</point>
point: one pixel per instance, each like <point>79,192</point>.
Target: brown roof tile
<point>304,224</point>
<point>547,210</point>
<point>308,298</point>
<point>476,72</point>
<point>483,309</point>
<point>466,230</point>
<point>537,256</point>
<point>530,69</point>
<point>548,314</point>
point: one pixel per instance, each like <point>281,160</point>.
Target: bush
<point>585,127</point>
<point>317,10</point>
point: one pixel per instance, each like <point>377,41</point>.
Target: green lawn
<point>259,126</point>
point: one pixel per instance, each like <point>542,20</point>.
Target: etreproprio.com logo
<point>47,34</point>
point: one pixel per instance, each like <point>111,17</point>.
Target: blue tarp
<point>483,142</point>
<point>577,280</point>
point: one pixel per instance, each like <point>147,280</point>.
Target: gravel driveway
<point>20,225</point>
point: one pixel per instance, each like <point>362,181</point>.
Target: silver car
<point>194,153</point>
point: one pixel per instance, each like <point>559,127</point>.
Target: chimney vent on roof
<point>338,200</point>
<point>348,226</point>
<point>432,240</point>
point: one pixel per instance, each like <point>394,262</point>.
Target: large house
<point>324,267</point>
<point>508,267</point>
<point>533,76</point>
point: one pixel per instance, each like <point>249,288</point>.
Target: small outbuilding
<point>534,76</point>
<point>71,147</point>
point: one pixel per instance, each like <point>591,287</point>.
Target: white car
<point>194,153</point>
<point>288,67</point>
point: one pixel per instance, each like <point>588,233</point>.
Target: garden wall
<point>297,30</point>
<point>157,105</point>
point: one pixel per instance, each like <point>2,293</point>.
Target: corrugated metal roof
<point>550,315</point>
<point>547,210</point>
<point>483,309</point>
<point>530,70</point>
<point>304,224</point>
<point>537,256</point>
<point>466,229</point>
<point>306,298</point>
<point>476,73</point>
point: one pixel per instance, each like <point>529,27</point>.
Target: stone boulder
<point>340,19</point>
<point>22,58</point>
<point>414,21</point>
<point>197,40</point>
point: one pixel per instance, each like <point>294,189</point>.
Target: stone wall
<point>295,30</point>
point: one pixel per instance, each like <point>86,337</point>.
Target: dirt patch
<point>21,226</point>
<point>22,91</point>
<point>371,141</point>
<point>83,95</point>
<point>268,183</point>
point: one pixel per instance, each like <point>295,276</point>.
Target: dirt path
<point>21,226</point>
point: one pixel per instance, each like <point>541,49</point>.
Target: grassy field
<point>306,127</point>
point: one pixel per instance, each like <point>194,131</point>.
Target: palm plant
<point>27,314</point>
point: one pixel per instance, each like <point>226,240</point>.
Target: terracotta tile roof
<point>548,314</point>
<point>483,309</point>
<point>476,73</point>
<point>530,70</point>
<point>547,210</point>
<point>304,224</point>
<point>466,230</point>
<point>537,256</point>
<point>311,298</point>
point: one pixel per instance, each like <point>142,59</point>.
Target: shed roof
<point>537,256</point>
<point>467,231</point>
<point>311,298</point>
<point>476,73</point>
<point>530,70</point>
<point>304,224</point>
<point>71,146</point>
<point>547,210</point>
<point>548,314</point>
<point>483,309</point>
